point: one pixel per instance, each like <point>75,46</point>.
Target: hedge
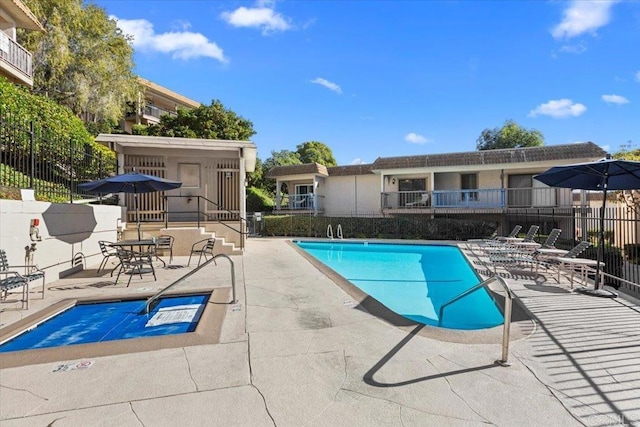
<point>414,227</point>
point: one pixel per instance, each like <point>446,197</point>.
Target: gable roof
<point>305,169</point>
<point>488,157</point>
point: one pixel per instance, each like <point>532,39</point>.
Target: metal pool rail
<point>507,312</point>
<point>155,297</point>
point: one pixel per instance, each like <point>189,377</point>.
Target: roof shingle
<point>488,157</point>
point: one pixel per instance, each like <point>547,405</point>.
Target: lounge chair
<point>529,237</point>
<point>495,240</point>
<point>571,262</point>
<point>11,279</point>
<point>550,243</point>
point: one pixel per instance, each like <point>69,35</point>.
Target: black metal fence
<point>33,156</point>
<point>621,251</point>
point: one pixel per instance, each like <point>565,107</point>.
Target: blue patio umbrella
<point>602,175</point>
<point>132,182</point>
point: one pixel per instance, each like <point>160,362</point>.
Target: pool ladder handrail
<point>507,312</point>
<point>338,231</point>
<point>200,267</point>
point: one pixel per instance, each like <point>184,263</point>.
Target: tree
<point>282,158</point>
<point>207,121</point>
<point>629,197</point>
<point>315,151</point>
<point>510,135</point>
<point>83,61</point>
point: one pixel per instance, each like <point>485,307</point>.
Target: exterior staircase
<point>228,241</point>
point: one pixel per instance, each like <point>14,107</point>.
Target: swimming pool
<point>412,280</point>
<point>86,323</point>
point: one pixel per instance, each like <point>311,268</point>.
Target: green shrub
<point>632,252</point>
<point>413,227</point>
<point>258,200</point>
<point>57,133</point>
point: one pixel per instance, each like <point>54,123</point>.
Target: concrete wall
<point>65,230</point>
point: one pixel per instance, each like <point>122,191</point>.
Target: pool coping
<point>522,324</point>
<point>207,331</point>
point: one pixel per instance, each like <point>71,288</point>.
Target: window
<point>412,184</point>
<point>469,181</point>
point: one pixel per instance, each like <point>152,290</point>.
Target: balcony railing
<point>313,202</point>
<point>480,198</point>
<point>15,55</point>
<point>153,111</point>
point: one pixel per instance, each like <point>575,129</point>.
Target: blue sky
<point>390,78</point>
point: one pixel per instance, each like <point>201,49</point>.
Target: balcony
<point>15,61</point>
<point>155,112</point>
<point>499,198</point>
<point>301,203</point>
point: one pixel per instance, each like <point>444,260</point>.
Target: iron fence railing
<point>621,251</point>
<point>33,156</point>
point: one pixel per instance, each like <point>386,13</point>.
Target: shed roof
<point>488,157</point>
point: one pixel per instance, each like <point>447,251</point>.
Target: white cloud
<point>357,161</point>
<point>263,17</point>
<point>615,99</point>
<point>559,108</point>
<point>574,48</point>
<point>415,138</point>
<point>583,16</point>
<point>180,44</point>
<point>326,83</point>
<point>181,24</point>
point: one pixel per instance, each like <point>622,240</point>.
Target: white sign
<point>177,314</point>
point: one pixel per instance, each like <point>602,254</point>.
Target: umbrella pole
<point>600,248</point>
<point>135,196</point>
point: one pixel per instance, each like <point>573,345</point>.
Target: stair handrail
<point>189,274</point>
<point>339,231</point>
<point>329,231</point>
<point>507,312</point>
<point>198,211</point>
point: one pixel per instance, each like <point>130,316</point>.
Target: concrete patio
<point>296,349</point>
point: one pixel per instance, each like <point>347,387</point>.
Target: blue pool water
<point>412,280</point>
<point>108,321</point>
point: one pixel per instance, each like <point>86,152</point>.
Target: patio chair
<point>203,248</point>
<point>164,243</point>
<point>11,279</point>
<point>424,199</point>
<point>132,262</point>
<point>107,252</point>
<point>550,243</point>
